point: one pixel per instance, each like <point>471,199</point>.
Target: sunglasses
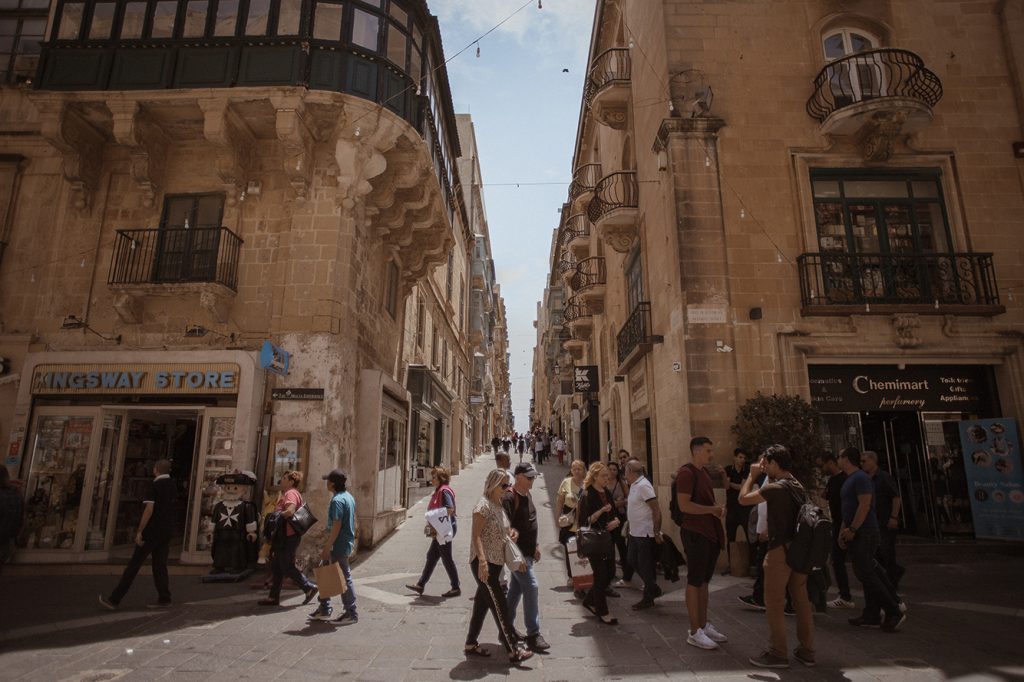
<point>505,486</point>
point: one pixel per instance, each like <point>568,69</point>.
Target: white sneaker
<point>713,634</point>
<point>840,603</point>
<point>700,640</point>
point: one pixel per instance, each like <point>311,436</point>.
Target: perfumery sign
<point>865,388</point>
<point>167,379</point>
<point>992,463</point>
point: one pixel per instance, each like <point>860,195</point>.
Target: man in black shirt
<point>888,503</point>
<point>153,537</point>
<point>736,515</point>
<point>836,478</point>
<point>523,519</point>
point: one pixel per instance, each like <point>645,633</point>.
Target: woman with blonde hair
<point>491,527</point>
<point>286,542</point>
<point>565,503</point>
<point>597,511</point>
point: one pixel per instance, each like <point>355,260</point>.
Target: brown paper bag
<point>330,581</point>
<point>739,559</point>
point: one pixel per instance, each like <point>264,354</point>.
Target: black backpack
<point>673,502</point>
<point>812,538</point>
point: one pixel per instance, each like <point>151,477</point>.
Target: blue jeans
<point>348,600</point>
<point>525,584</point>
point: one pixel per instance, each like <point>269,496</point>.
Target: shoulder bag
<point>593,543</point>
<point>514,559</point>
<point>302,520</point>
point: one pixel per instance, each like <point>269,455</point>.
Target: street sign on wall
<point>584,378</point>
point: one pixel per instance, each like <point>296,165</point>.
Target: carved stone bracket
<point>880,135</point>
<point>295,134</point>
<point>235,146</point>
<point>147,145</point>
<point>619,237</point>
<point>905,327</point>
<point>704,126</point>
<point>613,115</point>
<point>79,143</point>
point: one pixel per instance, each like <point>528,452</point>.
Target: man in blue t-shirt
<point>860,535</point>
<point>341,530</point>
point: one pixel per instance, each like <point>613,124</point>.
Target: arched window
<point>854,76</point>
<point>845,42</point>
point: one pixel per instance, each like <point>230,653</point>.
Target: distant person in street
<point>736,514</point>
<point>860,536</point>
<point>783,498</point>
<point>156,528</point>
<point>12,515</point>
<point>560,450</point>
<point>487,557</point>
<point>286,542</point>
<point>521,448</point>
<point>565,505</point>
<point>522,514</point>
<point>833,495</point>
<point>759,519</point>
<point>538,450</point>
<point>619,491</point>
<point>597,512</point>
<point>623,457</point>
<point>504,462</point>
<point>443,496</point>
<point>888,504</point>
<point>702,537</point>
<point>645,535</point>
<point>495,444</point>
<point>341,539</point>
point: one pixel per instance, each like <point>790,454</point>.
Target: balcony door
<point>189,238</point>
<point>853,80</point>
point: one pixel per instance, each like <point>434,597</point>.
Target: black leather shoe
<point>537,643</point>
<point>643,604</point>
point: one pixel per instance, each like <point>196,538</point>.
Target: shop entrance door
<point>946,473</point>
<point>897,438</point>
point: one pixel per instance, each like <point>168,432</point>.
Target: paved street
<point>966,620</point>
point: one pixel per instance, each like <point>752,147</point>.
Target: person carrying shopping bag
<point>440,548</point>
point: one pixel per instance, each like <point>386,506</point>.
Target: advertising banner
<point>995,482</point>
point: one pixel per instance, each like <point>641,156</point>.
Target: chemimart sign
<point>169,379</point>
<point>864,388</point>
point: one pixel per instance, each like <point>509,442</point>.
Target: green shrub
<point>784,419</point>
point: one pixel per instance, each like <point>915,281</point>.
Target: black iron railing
<point>576,227</point>
<point>590,272</point>
<point>611,66</point>
<point>615,191</point>
<point>872,75</point>
<point>566,263</point>
<point>637,330</point>
<point>178,255</point>
<point>577,309</point>
<point>584,179</point>
<point>939,279</point>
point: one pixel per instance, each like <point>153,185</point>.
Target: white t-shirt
<point>559,444</point>
<point>639,513</point>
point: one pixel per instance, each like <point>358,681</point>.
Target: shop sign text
<point>93,379</point>
<point>863,388</point>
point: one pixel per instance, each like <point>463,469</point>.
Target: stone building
<point>214,216</point>
<point>800,197</point>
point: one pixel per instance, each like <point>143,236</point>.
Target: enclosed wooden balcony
<point>614,210</point>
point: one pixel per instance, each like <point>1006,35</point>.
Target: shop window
<point>327,21</point>
<point>256,19</point>
<point>391,290</point>
<point>19,46</point>
<point>163,19</point>
<point>226,18</point>
<point>289,17</point>
<point>70,20</point>
<point>195,19</point>
<point>133,21</point>
<point>365,30</point>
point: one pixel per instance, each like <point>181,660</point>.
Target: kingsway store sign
<point>865,388</point>
<point>135,379</point>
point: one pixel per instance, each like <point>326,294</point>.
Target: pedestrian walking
<point>619,491</point>
<point>565,502</point>
<point>504,462</point>
<point>487,556</point>
<point>860,536</point>
<point>759,521</point>
<point>538,450</point>
<point>702,537</point>
<point>521,448</point>
<point>153,537</point>
<point>833,495</point>
<point>495,444</point>
<point>736,514</point>
<point>645,535</point>
<point>12,515</point>
<point>597,512</point>
<point>341,538</point>
<point>783,497</point>
<point>888,504</point>
<point>560,450</point>
<point>443,497</point>
<point>285,543</point>
<point>522,514</point>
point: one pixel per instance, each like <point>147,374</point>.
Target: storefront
<point>95,427</point>
<point>910,415</point>
<point>431,423</point>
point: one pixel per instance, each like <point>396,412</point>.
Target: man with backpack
<point>784,497</point>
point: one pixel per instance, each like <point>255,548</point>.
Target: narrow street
<point>960,619</point>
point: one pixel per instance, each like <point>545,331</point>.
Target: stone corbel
<point>880,135</point>
<point>147,146</point>
<point>905,327</point>
<point>619,237</point>
<point>80,145</point>
<point>129,308</point>
<point>234,143</point>
<point>297,142</point>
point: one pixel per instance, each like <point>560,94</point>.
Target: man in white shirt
<point>644,531</point>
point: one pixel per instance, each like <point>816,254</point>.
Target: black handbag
<point>303,519</point>
<point>593,543</point>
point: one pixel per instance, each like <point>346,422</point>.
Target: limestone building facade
<point>218,221</point>
<point>801,197</point>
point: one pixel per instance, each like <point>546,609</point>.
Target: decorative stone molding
<point>704,126</point>
<point>619,237</point>
<point>235,146</point>
<point>905,327</point>
<point>79,143</point>
<point>147,146</point>
<point>128,307</point>
<point>293,129</point>
<point>613,115</point>
<point>878,137</point>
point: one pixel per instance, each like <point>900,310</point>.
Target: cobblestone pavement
<point>966,622</point>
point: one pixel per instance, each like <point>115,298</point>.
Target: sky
<point>525,110</point>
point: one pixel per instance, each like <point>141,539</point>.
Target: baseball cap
<point>336,476</point>
<point>526,469</point>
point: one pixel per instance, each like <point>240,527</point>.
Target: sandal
<point>519,655</point>
<point>475,650</point>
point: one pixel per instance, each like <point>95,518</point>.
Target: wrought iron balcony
<point>576,235</point>
<point>566,265</point>
<point>927,283</point>
<point>855,89</point>
<point>614,209</point>
<point>635,337</point>
<point>607,88</point>
<point>175,256</point>
<point>584,180</point>
<point>577,310</point>
<point>590,272</point>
